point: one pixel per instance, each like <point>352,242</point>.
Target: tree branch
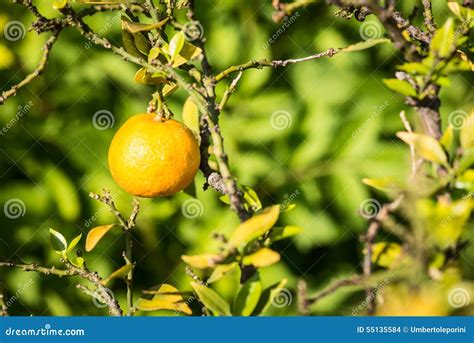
<point>254,64</point>
<point>37,72</point>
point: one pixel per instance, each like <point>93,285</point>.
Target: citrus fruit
<point>149,157</point>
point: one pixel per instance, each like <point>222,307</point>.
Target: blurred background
<point>309,133</point>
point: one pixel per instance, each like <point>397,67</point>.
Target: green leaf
<point>162,297</point>
<point>139,27</point>
<point>153,53</point>
<point>255,226</point>
<point>58,242</point>
<point>443,42</point>
<point>129,44</point>
<point>425,146</point>
<point>282,232</point>
<point>400,86</point>
<point>248,297</point>
<point>220,271</point>
<point>251,198</point>
<point>96,234</point>
<point>455,8</point>
<point>366,44</point>
<point>119,273</point>
<point>268,296</point>
<point>202,261</point>
<point>142,43</point>
<point>78,261</point>
<point>262,258</point>
<point>176,44</point>
<point>414,68</point>
<point>191,117</point>
<point>73,243</point>
<point>211,300</point>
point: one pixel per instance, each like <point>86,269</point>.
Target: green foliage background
<point>343,124</point>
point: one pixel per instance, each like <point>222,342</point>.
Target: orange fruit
<point>152,158</point>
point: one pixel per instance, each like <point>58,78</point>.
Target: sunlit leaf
<point>187,53</point>
<point>248,297</point>
<point>255,226</point>
<point>202,261</point>
<point>443,43</point>
<point>386,254</point>
<point>73,243</point>
<point>119,273</point>
<point>400,86</point>
<point>251,198</point>
<point>282,232</point>
<point>425,146</point>
<point>169,89</point>
<point>447,138</point>
<point>383,184</point>
<point>191,117</point>
<point>96,234</point>
<point>57,240</point>
<point>366,44</point>
<point>466,136</point>
<point>163,297</point>
<point>211,300</point>
<point>176,44</point>
<point>262,258</point>
<point>144,77</point>
<point>58,4</point>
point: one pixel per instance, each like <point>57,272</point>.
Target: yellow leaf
<point>191,116</point>
<point>58,4</point>
<point>425,146</point>
<point>166,297</point>
<point>119,273</point>
<point>255,226</point>
<point>202,261</point>
<point>466,135</point>
<point>384,184</point>
<point>187,53</point>
<point>139,27</point>
<point>263,258</point>
<point>96,234</point>
<point>144,77</point>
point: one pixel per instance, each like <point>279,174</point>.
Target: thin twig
<point>229,91</point>
<point>254,64</point>
<point>37,72</point>
<point>3,307</point>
